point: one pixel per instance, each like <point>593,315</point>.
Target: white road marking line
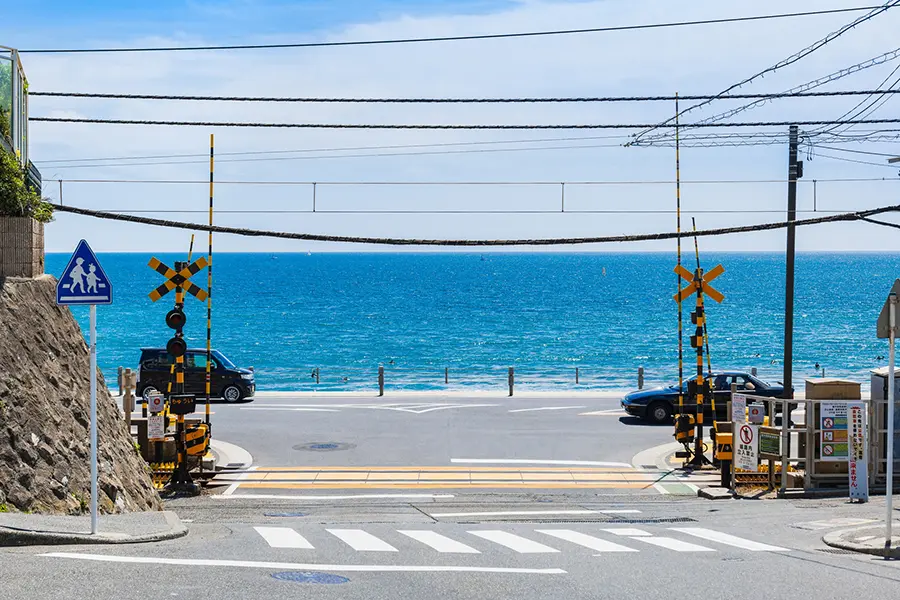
<point>516,513</point>
<point>231,488</point>
<point>283,537</point>
<point>528,461</point>
<point>290,409</point>
<point>438,542</point>
<point>346,497</point>
<point>673,544</point>
<point>526,513</point>
<point>513,542</point>
<point>660,488</point>
<point>361,541</point>
<point>521,410</point>
<point>627,531</point>
<point>615,412</point>
<point>201,562</point>
<point>728,540</point>
<point>585,540</point>
<point>456,406</point>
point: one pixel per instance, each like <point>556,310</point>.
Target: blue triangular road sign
<point>83,280</point>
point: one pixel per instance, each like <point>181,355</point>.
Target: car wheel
<point>232,394</point>
<point>659,413</point>
<point>145,393</point>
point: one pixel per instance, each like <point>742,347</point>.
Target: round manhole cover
<point>324,446</point>
<point>309,577</point>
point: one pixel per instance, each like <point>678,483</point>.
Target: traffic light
<point>175,319</point>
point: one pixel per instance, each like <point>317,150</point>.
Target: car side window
<point>199,361</point>
<point>744,383</point>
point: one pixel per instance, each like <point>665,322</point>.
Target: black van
<point>226,379</point>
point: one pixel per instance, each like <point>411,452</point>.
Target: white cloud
<point>690,60</point>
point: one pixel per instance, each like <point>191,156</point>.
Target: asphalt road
<point>397,550</point>
<point>433,429</point>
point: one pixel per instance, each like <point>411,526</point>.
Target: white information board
<point>746,447</point>
<point>156,427</point>
<point>738,408</point>
<point>857,465</point>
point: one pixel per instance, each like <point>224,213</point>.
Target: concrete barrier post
<point>512,380</point>
<point>446,374</point>
<point>753,371</point>
<point>317,375</point>
<point>128,378</point>
<point>381,381</point>
<point>640,378</point>
<point>120,382</point>
<point>576,375</point>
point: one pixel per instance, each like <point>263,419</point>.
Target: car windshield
<point>223,360</point>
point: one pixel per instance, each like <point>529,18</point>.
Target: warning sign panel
<point>834,441</point>
<point>746,447</point>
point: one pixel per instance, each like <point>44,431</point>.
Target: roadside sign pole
<point>94,419</point>
<point>889,490</point>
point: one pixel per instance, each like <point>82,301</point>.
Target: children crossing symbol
<point>83,280</point>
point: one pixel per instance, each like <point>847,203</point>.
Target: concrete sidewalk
<point>20,529</point>
<point>866,540</point>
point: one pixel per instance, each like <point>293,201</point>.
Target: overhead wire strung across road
<point>782,63</point>
<point>457,38</point>
<point>842,217</point>
<point>526,100</point>
<point>439,126</point>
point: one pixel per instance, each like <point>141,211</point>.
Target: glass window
<point>223,360</point>
<point>198,361</point>
<point>6,96</point>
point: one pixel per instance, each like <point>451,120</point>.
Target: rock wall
<point>44,413</point>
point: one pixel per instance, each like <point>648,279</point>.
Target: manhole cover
<point>309,577</point>
<point>324,446</point>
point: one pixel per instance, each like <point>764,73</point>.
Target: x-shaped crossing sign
<point>176,278</point>
<point>701,283</point>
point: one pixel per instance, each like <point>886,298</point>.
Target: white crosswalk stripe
<point>513,542</point>
<point>588,541</point>
<point>729,540</point>
<point>439,542</point>
<point>673,544</point>
<point>361,541</point>
<point>283,537</point>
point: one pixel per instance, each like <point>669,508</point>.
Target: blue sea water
<point>477,315</point>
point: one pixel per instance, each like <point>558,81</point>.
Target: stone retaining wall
<point>21,247</point>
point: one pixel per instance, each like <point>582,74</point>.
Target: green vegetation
<point>3,507</point>
<point>6,107</point>
<point>83,502</point>
<point>16,200</point>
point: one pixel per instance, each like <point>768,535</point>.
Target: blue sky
<point>690,60</point>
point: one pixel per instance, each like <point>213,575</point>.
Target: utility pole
<point>795,172</point>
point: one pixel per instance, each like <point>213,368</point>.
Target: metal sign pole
<point>93,418</point>
<point>889,490</point>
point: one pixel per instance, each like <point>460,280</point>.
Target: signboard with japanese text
<point>770,445</point>
<point>857,465</point>
<point>738,408</point>
<point>833,437</point>
<point>746,447</point>
<point>156,427</point>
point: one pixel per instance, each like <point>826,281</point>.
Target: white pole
<point>93,418</point>
<point>889,490</point>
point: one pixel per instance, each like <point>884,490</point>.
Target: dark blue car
<point>657,405</point>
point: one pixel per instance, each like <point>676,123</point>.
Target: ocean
<point>477,315</point>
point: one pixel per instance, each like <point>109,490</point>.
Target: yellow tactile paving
<point>339,476</point>
<point>557,476</point>
<point>392,476</point>
<point>290,476</point>
<point>431,486</point>
<point>513,476</point>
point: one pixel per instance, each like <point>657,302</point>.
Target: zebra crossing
<point>541,540</point>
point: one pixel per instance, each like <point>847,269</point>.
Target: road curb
<point>16,536</point>
<point>838,539</point>
<point>230,456</point>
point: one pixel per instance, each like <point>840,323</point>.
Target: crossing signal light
<point>175,319</point>
<point>697,315</point>
<point>176,346</point>
<point>696,341</point>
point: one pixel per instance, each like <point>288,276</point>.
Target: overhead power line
<point>454,38</point>
<point>805,87</point>
<point>526,100</point>
<point>313,237</point>
<point>439,126</point>
<point>785,62</point>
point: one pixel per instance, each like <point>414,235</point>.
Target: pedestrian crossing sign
<point>83,281</point>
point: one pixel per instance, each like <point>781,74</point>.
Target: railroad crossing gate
<point>695,283</point>
<point>175,278</point>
